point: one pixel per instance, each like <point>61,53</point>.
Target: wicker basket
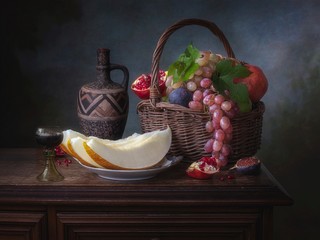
<point>188,126</point>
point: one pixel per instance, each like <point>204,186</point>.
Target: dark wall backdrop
<point>48,51</point>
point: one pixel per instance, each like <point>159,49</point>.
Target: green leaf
<point>224,67</point>
<point>223,80</point>
<point>185,66</point>
<point>239,94</point>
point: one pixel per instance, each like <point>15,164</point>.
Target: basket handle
<point>155,95</point>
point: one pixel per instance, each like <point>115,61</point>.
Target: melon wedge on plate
<point>67,136</point>
<point>76,145</point>
<point>78,151</point>
<point>144,151</point>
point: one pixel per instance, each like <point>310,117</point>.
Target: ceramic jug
<point>103,104</point>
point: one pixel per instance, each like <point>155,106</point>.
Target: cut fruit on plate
<point>145,151</point>
<point>138,151</point>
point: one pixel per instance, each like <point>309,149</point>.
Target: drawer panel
<point>23,225</point>
<point>96,226</point>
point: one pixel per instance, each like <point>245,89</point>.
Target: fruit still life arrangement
<point>223,87</point>
<point>138,151</point>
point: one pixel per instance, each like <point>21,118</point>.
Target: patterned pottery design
<point>100,105</point>
<point>103,115</point>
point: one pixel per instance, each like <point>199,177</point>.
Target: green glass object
<point>49,137</point>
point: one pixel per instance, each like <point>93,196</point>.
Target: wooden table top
<point>19,168</point>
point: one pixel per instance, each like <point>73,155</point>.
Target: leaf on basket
<point>225,72</point>
<point>186,64</point>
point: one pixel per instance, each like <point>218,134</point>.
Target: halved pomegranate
<point>141,86</point>
<point>203,168</point>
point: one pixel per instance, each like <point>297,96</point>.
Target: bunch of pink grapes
<point>205,98</point>
<point>222,109</point>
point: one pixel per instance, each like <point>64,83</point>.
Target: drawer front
<point>23,226</point>
<point>98,226</point>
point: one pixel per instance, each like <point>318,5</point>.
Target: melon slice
<point>75,145</point>
<point>67,135</point>
<point>144,151</point>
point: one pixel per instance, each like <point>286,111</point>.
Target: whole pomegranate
<point>256,82</point>
<point>141,86</point>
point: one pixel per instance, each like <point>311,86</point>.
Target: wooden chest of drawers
<point>169,206</point>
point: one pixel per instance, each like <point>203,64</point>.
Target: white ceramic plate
<point>128,175</point>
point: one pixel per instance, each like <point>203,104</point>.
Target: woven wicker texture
<point>188,126</point>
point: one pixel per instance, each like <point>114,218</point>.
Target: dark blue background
<point>48,51</point>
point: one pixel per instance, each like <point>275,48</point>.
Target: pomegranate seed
<point>230,177</point>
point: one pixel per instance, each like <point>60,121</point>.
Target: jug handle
<point>125,71</point>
